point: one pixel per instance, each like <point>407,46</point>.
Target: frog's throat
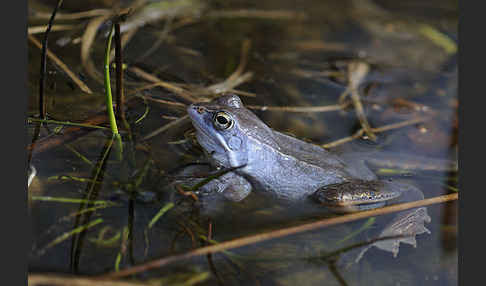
<point>233,161</point>
<point>219,139</point>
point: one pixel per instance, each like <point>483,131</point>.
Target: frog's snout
<point>196,109</point>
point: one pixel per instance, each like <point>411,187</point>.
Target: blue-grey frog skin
<point>273,162</point>
<point>270,161</point>
<point>294,170</point>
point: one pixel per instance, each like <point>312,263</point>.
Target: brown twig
<point>169,86</point>
<point>261,14</point>
<point>210,256</point>
<point>43,64</point>
<point>189,232</point>
<point>62,280</point>
<point>236,78</point>
<point>74,16</point>
<point>318,45</point>
<point>120,97</point>
<point>72,133</point>
<point>86,43</point>
<point>356,73</point>
<point>41,29</point>
<point>325,108</point>
<point>186,193</point>
<point>62,66</point>
<point>167,102</point>
<point>243,241</point>
<point>166,127</point>
<point>384,128</point>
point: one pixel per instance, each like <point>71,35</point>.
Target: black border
<point>15,222</point>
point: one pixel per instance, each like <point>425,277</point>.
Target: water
<point>296,61</point>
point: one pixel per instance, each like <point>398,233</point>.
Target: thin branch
<point>261,14</point>
<point>384,128</point>
<point>165,127</point>
<point>243,241</point>
<point>63,280</point>
<point>167,102</point>
<point>74,16</point>
<point>62,66</point>
<point>356,73</point>
<point>43,65</point>
<point>120,97</point>
<point>169,86</point>
<point>325,108</point>
<point>41,29</point>
<point>67,123</point>
<point>87,41</point>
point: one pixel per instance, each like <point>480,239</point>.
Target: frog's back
<point>311,154</point>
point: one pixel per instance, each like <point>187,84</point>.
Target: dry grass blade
<point>42,29</point>
<point>384,128</point>
<point>239,242</point>
<point>143,87</point>
<point>261,14</point>
<point>193,93</point>
<point>242,93</point>
<point>356,73</point>
<point>325,108</point>
<point>74,16</point>
<point>169,86</point>
<point>90,34</point>
<point>62,66</point>
<point>317,45</point>
<point>86,43</point>
<point>236,78</point>
<point>245,49</point>
<point>166,127</point>
<point>227,85</point>
<point>315,74</point>
<point>167,102</point>
<point>62,280</point>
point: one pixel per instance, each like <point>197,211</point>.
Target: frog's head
<point>223,127</point>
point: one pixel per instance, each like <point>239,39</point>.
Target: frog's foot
<point>407,225</point>
<point>359,195</point>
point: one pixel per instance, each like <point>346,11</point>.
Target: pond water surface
<point>296,54</point>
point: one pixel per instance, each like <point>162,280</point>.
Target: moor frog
<point>293,170</point>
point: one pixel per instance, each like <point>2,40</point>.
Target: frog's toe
<point>410,224</point>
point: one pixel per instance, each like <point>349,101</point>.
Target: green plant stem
<point>109,99</point>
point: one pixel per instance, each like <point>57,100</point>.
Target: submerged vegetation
<point>364,74</point>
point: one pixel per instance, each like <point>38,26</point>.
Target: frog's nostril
<point>199,109</point>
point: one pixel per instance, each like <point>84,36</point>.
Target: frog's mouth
<point>197,119</point>
<point>211,140</point>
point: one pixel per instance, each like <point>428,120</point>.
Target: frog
<point>289,169</point>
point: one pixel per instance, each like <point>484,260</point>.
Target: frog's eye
<point>222,120</point>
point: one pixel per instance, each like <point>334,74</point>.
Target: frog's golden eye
<point>222,120</point>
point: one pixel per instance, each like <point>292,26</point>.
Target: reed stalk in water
<point>109,100</point>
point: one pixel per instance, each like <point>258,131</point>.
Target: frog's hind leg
<point>409,223</point>
<point>360,195</point>
<point>356,195</point>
